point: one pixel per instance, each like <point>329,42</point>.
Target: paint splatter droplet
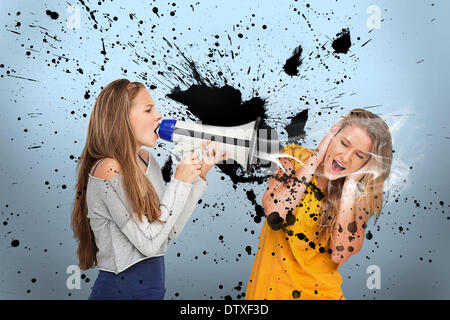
<point>351,227</point>
<point>293,63</point>
<point>343,42</point>
<point>52,14</point>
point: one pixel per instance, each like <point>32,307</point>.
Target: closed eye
<point>343,143</point>
<point>149,110</point>
<point>361,157</point>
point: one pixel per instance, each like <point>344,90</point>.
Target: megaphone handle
<point>185,152</point>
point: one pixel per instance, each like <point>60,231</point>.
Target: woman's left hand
<point>212,157</point>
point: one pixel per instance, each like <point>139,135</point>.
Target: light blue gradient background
<point>384,72</point>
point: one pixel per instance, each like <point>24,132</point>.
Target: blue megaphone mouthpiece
<point>166,129</point>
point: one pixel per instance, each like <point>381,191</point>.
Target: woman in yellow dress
<point>316,212</point>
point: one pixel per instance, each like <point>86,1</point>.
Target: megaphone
<point>241,141</point>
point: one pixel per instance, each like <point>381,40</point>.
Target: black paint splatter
<point>166,170</point>
<point>275,221</point>
<point>301,236</point>
<point>351,227</point>
<point>294,62</point>
<point>155,11</point>
<point>219,106</point>
<point>296,128</point>
<point>259,210</point>
<point>52,14</point>
<point>343,42</point>
<point>318,194</point>
<point>290,218</point>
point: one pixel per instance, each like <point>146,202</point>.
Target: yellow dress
<point>288,264</point>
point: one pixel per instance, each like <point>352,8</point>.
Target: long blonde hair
<point>110,135</point>
<point>372,183</point>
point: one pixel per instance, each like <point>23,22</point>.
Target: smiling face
<point>144,119</point>
<point>347,152</point>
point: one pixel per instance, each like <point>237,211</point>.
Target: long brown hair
<point>110,135</point>
<point>372,183</point>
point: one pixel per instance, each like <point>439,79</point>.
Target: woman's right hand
<point>323,146</point>
<point>189,168</point>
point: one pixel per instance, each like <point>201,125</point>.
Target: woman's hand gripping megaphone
<point>211,156</point>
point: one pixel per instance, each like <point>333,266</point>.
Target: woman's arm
<point>347,235</point>
<point>146,236</point>
<point>198,188</point>
<point>275,181</point>
<point>209,160</point>
<point>284,191</point>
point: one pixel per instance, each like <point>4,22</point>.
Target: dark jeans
<point>142,281</point>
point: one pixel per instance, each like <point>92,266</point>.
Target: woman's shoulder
<point>298,151</point>
<point>107,169</point>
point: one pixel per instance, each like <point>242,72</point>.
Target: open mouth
<point>337,167</point>
<point>156,129</point>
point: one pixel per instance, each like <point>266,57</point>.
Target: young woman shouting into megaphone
<point>123,214</point>
<point>316,213</point>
